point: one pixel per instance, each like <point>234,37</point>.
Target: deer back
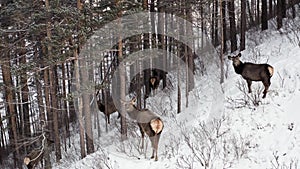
<point>256,72</point>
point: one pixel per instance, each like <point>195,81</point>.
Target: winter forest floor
<point>224,126</point>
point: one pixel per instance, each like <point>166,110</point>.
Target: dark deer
<point>152,80</point>
<point>148,122</point>
<point>33,158</point>
<point>253,72</point>
<point>110,108</point>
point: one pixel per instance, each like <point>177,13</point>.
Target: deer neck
<point>238,67</point>
<point>133,112</point>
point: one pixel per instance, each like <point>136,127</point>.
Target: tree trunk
<point>283,8</point>
<point>86,107</point>
<point>224,26</point>
<point>10,107</point>
<point>42,115</point>
<point>258,12</point>
<point>80,105</point>
<point>216,40</point>
<point>153,26</point>
<point>161,38</point>
<point>78,87</point>
<point>53,90</point>
<point>146,37</point>
<point>190,59</point>
<point>250,14</point>
<point>243,25</point>
<point>213,20</point>
<point>122,75</point>
<point>222,43</point>
<point>292,2</point>
<point>279,14</point>
<point>233,39</point>
<point>24,93</point>
<point>54,110</point>
<point>264,15</point>
<point>271,9</point>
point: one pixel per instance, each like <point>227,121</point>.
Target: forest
<point>67,66</point>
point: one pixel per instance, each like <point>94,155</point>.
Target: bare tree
<point>279,14</point>
<point>233,39</point>
<point>243,25</point>
<point>264,15</point>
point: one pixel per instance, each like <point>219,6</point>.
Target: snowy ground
<point>244,136</point>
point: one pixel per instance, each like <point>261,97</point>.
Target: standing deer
<point>148,122</point>
<point>155,75</point>
<point>107,109</point>
<point>253,72</point>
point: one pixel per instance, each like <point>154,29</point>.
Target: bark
<point>78,87</point>
<point>258,12</point>
<point>243,25</point>
<point>54,110</point>
<point>153,25</point>
<point>231,14</point>
<point>80,106</point>
<point>38,57</point>
<point>86,107</point>
<point>271,9</point>
<point>222,44</point>
<point>264,15</point>
<point>122,75</point>
<point>25,103</point>
<point>224,26</point>
<point>53,90</point>
<point>279,14</point>
<point>190,59</point>
<point>216,40</point>
<point>10,107</point>
<point>65,116</point>
<point>161,39</point>
<point>283,8</point>
<point>250,14</point>
<point>293,8</point>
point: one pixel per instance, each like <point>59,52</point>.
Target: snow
<point>261,133</point>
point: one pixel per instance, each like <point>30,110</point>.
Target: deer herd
<point>151,124</point>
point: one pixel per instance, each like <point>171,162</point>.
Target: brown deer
<point>148,122</point>
<point>32,159</point>
<point>253,72</point>
<point>110,108</point>
<point>150,83</point>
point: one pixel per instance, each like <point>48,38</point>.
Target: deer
<point>110,108</point>
<point>32,159</point>
<point>155,75</point>
<point>253,72</point>
<point>148,122</point>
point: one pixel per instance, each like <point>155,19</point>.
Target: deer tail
<point>156,125</point>
<point>152,80</point>
<point>271,70</point>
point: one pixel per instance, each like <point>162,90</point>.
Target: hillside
<point>222,127</point>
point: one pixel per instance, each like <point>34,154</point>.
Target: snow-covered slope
<point>221,127</point>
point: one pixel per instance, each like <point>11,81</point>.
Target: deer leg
<point>106,120</point>
<point>267,85</point>
<point>249,82</point>
<point>156,145</point>
<point>152,139</point>
<point>143,135</point>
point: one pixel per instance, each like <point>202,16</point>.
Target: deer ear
<point>239,55</point>
<point>229,57</point>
